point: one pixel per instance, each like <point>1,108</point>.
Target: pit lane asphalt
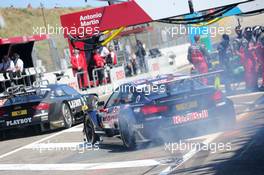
<point>63,151</point>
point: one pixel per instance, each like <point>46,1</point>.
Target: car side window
<point>114,100</point>
<point>128,97</point>
<point>69,90</point>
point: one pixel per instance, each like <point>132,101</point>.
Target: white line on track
<point>56,145</point>
<point>190,154</point>
<point>78,167</point>
<point>36,142</point>
<point>74,130</point>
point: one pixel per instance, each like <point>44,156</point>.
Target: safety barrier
<point>96,77</point>
<point>83,73</point>
<point>26,78</point>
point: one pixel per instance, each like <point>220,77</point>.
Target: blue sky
<point>51,3</point>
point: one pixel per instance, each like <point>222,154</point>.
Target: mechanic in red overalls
<point>99,63</point>
<point>260,55</point>
<point>259,50</point>
<point>249,61</point>
<point>79,67</point>
<point>198,55</point>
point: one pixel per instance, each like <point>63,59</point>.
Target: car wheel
<point>67,115</point>
<point>127,135</point>
<point>89,130</point>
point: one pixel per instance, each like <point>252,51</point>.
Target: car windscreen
<point>183,86</point>
<point>38,94</point>
<point>155,91</point>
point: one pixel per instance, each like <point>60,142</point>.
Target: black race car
<point>50,106</point>
<point>154,108</point>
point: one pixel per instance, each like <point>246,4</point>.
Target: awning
<point>23,39</point>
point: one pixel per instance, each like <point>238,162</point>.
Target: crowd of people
<point>12,66</point>
<point>136,62</point>
<point>100,59</point>
<point>248,46</point>
<point>105,58</point>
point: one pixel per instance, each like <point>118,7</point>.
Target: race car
<point>49,105</point>
<point>150,109</point>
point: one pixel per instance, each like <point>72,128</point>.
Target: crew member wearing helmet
<point>198,55</point>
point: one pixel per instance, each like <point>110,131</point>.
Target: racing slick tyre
<point>67,115</point>
<point>127,134</point>
<point>91,136</point>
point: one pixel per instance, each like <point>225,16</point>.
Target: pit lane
<point>63,152</point>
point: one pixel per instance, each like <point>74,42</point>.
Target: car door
<point>111,110</point>
<point>74,99</point>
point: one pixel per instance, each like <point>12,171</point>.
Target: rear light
<point>41,106</point>
<point>103,110</point>
<point>147,110</point>
<point>2,112</point>
<point>217,96</point>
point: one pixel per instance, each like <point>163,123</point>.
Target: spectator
<point>19,65</point>
<point>78,63</point>
<point>99,63</point>
<point>113,55</point>
<point>198,55</point>
<point>104,52</point>
<point>8,67</point>
<point>141,53</point>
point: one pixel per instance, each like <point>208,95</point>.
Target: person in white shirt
<point>104,52</point>
<point>18,63</point>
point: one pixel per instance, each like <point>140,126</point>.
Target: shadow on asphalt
<point>248,159</point>
<point>12,134</point>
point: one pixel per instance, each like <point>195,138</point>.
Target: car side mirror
<point>101,103</point>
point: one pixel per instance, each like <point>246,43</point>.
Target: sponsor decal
<point>179,119</point>
<point>155,67</point>
<point>120,75</point>
<point>18,121</point>
<point>90,19</point>
<point>75,103</point>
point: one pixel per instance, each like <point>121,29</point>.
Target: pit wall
<point>156,66</point>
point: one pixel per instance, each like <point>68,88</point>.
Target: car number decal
<point>75,103</point>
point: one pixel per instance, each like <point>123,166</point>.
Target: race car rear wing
<point>174,78</point>
<point>22,90</point>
